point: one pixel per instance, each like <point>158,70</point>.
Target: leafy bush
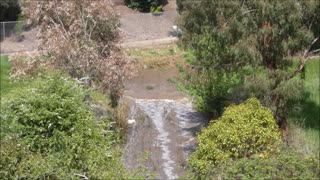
<point>156,9</point>
<point>211,88</point>
<point>48,131</point>
<point>142,5</point>
<point>286,164</point>
<point>243,131</point>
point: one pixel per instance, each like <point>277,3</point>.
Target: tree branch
<point>305,58</point>
<point>308,50</point>
<point>314,51</point>
<point>243,3</point>
<point>82,176</point>
<point>94,25</point>
<point>249,11</point>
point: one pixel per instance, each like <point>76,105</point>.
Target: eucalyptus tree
<point>239,48</point>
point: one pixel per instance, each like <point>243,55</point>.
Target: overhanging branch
<point>305,57</point>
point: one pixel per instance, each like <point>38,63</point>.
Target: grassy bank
<point>311,104</point>
<point>304,121</point>
<point>5,83</point>
<point>156,58</point>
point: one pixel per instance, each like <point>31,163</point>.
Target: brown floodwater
<point>154,84</point>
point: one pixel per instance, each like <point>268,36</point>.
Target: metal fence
<point>16,36</point>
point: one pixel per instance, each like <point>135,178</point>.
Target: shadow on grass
<point>306,113</point>
<point>310,113</point>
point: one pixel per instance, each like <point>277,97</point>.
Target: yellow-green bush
<point>242,131</point>
<point>285,164</point>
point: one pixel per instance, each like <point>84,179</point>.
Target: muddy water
<point>163,135</point>
<point>153,84</point>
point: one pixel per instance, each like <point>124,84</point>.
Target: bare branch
<point>56,25</point>
<point>314,51</point>
<point>249,11</point>
<point>82,176</point>
<point>94,25</point>
<point>305,58</point>
<point>243,3</point>
<point>308,50</point>
<point>313,57</point>
<point>62,24</point>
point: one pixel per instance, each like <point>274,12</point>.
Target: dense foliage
<point>80,37</point>
<point>48,131</point>
<point>285,164</point>
<point>142,5</point>
<point>242,131</point>
<point>10,10</point>
<point>311,18</point>
<point>247,47</point>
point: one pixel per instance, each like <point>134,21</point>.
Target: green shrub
<point>286,164</point>
<point>243,131</point>
<point>211,89</point>
<point>48,131</point>
<point>156,9</point>
<point>142,5</point>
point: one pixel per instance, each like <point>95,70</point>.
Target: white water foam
<point>157,110</point>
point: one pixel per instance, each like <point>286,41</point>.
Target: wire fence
<point>17,36</point>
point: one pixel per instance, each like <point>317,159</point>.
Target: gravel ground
<point>10,44</point>
<point>145,26</point>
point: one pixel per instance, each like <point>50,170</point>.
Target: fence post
<point>4,31</point>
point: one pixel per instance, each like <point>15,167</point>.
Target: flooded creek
<point>163,131</point>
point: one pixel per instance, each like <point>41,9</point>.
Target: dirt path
<point>165,124</point>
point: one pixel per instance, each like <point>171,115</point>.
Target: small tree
<point>253,42</point>
<point>80,36</point>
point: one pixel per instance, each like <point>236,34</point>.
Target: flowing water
<point>163,135</point>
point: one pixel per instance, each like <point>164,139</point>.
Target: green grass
<point>6,84</point>
<point>310,105</point>
<point>4,74</point>
<point>312,87</point>
<point>156,58</point>
<point>164,51</point>
<point>304,126</point>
